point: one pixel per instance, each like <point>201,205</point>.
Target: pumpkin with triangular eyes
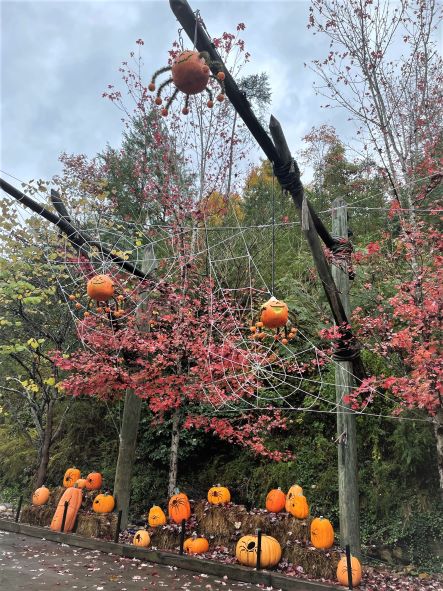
<point>274,313</point>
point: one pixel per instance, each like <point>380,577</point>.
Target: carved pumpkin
<point>217,495</point>
<point>41,496</point>
<point>246,551</point>
<point>294,491</point>
<point>179,508</point>
<point>141,538</point>
<point>103,503</point>
<point>274,313</point>
<point>196,545</point>
<point>190,72</point>
<point>322,533</point>
<point>94,481</point>
<point>156,516</point>
<point>71,477</point>
<point>81,483</point>
<point>298,507</point>
<point>275,500</point>
<point>100,288</point>
<point>342,571</point>
<point>73,496</point>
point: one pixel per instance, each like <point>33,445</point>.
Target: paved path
<point>33,564</point>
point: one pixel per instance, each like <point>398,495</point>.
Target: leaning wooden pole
<point>346,428</point>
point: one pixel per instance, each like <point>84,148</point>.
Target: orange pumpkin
<point>100,288</point>
<point>94,481</point>
<point>294,491</point>
<point>71,477</point>
<point>141,538</point>
<point>41,496</point>
<point>73,496</point>
<point>218,495</point>
<point>322,533</point>
<point>246,551</point>
<point>179,508</point>
<point>275,500</point>
<point>103,503</point>
<point>298,507</point>
<point>190,72</point>
<point>274,313</point>
<point>196,545</point>
<point>156,516</point>
<point>342,571</point>
<point>81,483</point>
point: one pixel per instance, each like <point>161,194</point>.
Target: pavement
<point>34,564</point>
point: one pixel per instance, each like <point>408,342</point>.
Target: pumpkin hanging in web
<point>276,321</point>
<point>101,290</point>
<point>190,74</point>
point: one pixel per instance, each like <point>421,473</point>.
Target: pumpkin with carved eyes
<point>218,495</point>
<point>294,491</point>
<point>100,288</point>
<point>298,507</point>
<point>71,477</point>
<point>342,571</point>
<point>274,313</point>
<point>41,496</point>
<point>156,516</point>
<point>196,545</point>
<point>246,551</point>
<point>142,538</point>
<point>179,507</point>
<point>190,72</point>
<point>275,500</point>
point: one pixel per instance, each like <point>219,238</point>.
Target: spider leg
<point>185,109</point>
<point>210,101</point>
<point>157,73</point>
<point>168,104</point>
<point>158,100</point>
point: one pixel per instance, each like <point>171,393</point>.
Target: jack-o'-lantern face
<point>274,313</point>
<point>100,288</point>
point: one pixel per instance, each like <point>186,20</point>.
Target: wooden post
<point>349,567</point>
<point>19,508</point>
<point>182,536</point>
<point>346,428</point>
<point>258,548</point>
<point>118,527</point>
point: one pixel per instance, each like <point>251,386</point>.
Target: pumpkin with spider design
<point>246,551</point>
<point>190,74</point>
<point>179,507</point>
<point>218,495</point>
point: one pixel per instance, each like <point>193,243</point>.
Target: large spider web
<point>291,376</point>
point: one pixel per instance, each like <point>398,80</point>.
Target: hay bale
<point>97,525</point>
<point>165,538</point>
<point>315,563</point>
<point>37,515</point>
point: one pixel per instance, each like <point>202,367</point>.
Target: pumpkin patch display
<point>94,481</point>
<point>73,496</point>
<point>322,533</point>
<point>218,495</point>
<point>275,500</point>
<point>196,545</point>
<point>294,491</point>
<point>103,503</point>
<point>342,571</point>
<point>156,516</point>
<point>141,538</point>
<point>298,507</point>
<point>71,477</point>
<point>41,496</point>
<point>179,507</point>
<point>246,551</point>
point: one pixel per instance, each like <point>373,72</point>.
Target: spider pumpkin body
<point>274,313</point>
<point>190,72</point>
<point>100,288</point>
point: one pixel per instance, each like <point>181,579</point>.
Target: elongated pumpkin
<point>322,533</point>
<point>294,491</point>
<point>73,496</point>
<point>156,516</point>
<point>179,507</point>
<point>298,507</point>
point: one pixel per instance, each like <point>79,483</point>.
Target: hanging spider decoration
<point>190,75</point>
<point>101,290</point>
<point>274,316</point>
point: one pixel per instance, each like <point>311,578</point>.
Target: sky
<point>57,58</point>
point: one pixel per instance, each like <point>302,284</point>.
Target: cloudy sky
<point>57,57</point>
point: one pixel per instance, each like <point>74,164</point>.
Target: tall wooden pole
<point>346,428</point>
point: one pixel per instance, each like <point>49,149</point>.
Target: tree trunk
<point>173,460</point>
<point>45,447</point>
<point>438,430</point>
<point>126,453</point>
